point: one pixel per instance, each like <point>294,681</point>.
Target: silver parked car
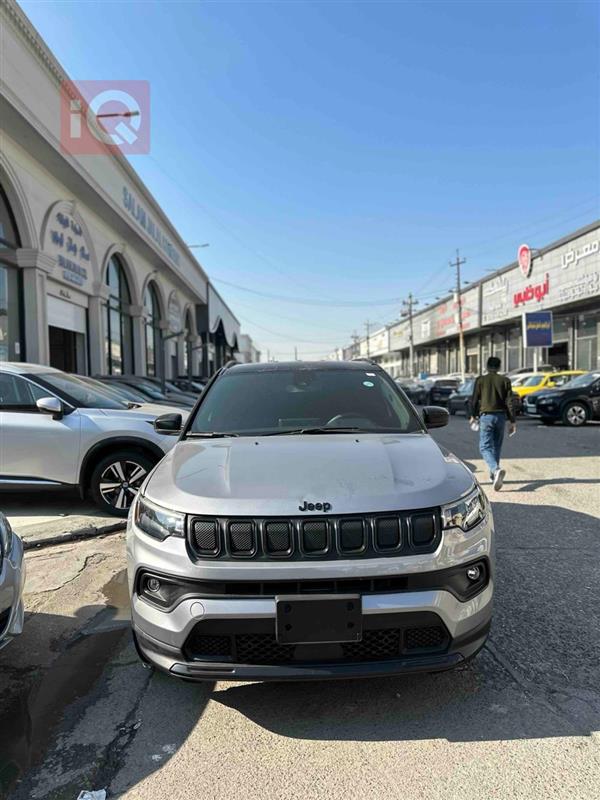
<point>12,581</point>
<point>305,525</point>
<point>61,432</point>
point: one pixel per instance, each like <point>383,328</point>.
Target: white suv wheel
<point>117,479</point>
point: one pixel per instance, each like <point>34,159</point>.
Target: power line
<point>305,301</point>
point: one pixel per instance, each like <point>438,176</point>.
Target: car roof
<point>276,366</point>
<point>23,367</point>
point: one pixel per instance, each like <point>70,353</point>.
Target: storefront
<point>563,277</point>
<point>11,335</point>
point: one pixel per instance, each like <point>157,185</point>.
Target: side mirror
<point>435,417</point>
<point>170,424</point>
<point>51,405</point>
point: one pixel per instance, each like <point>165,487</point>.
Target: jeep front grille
<point>327,538</point>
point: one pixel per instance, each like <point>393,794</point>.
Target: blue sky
<point>341,152</point>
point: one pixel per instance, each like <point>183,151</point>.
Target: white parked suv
<point>306,525</point>
<point>57,432</point>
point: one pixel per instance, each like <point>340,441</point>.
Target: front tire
<point>575,415</point>
<point>116,480</point>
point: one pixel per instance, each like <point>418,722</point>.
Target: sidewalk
<point>44,518</point>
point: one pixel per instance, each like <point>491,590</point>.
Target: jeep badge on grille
<point>315,506</point>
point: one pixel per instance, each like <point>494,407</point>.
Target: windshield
<point>534,380</point>
<point>148,390</point>
<point>82,393</point>
<point>584,380</point>
<point>122,391</point>
<point>285,400</point>
<point>466,387</point>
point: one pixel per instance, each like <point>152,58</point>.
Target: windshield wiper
<point>316,431</point>
<point>209,435</point>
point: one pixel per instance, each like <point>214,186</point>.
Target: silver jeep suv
<point>305,525</point>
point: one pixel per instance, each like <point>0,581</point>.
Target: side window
<point>15,394</point>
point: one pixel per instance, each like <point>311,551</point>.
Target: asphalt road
<point>521,721</point>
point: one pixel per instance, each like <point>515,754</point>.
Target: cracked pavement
<point>523,720</point>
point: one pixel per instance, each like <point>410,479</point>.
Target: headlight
<point>157,521</point>
<point>6,538</point>
<point>466,512</point>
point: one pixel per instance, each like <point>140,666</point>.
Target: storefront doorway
<point>558,355</point>
<point>67,350</point>
<point>67,331</point>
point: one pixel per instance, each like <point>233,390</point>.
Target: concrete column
<point>97,330</point>
<point>35,266</point>
<point>138,343</point>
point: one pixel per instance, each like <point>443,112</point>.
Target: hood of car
<point>271,476</point>
<point>147,411</point>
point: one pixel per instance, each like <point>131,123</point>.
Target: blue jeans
<point>491,435</point>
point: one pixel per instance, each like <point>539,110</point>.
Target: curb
<point>73,536</point>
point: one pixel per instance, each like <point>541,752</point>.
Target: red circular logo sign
<point>524,258</point>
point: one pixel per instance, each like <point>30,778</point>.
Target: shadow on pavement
<point>539,675</point>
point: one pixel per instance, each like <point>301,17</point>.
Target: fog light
<point>473,573</point>
<point>153,584</point>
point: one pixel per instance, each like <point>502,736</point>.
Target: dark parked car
<point>574,404</point>
<point>151,390</point>
<point>440,389</point>
<point>195,385</point>
<point>414,390</point>
<point>460,400</point>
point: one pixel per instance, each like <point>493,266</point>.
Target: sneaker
<point>499,479</point>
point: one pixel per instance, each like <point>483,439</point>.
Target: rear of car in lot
<point>12,581</point>
<point>460,400</point>
<point>306,526</point>
<point>440,389</point>
<point>59,432</point>
<point>574,403</point>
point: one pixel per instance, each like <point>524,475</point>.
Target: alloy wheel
<point>576,415</point>
<point>120,482</point>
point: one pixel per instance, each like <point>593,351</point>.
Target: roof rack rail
<point>231,363</point>
<point>367,360</point>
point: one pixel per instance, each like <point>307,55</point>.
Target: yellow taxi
<point>545,380</point>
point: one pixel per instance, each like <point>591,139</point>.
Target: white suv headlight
<point>157,521</point>
<point>466,512</point>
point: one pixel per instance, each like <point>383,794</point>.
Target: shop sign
<point>400,336</point>
<point>535,292</point>
<point>67,244</point>
<point>563,275</point>
<point>379,343</point>
<point>150,226</point>
<point>574,256</point>
<point>537,328</point>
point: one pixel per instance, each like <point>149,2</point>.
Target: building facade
<point>94,278</point>
<point>563,277</point>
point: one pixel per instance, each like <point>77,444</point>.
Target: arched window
<point>152,314</point>
<point>119,328</point>
<point>10,285</point>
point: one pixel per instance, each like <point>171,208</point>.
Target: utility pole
<point>461,336</point>
<point>408,311</point>
<point>268,355</point>
<point>368,329</point>
<point>295,353</point>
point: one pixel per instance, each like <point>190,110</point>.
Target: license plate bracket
<point>318,619</point>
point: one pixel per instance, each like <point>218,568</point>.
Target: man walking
<point>492,405</point>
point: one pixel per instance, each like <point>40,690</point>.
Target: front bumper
<point>164,637</point>
<point>12,582</point>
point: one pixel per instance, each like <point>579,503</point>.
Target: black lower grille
<point>424,638</point>
<point>262,648</point>
<point>258,647</point>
